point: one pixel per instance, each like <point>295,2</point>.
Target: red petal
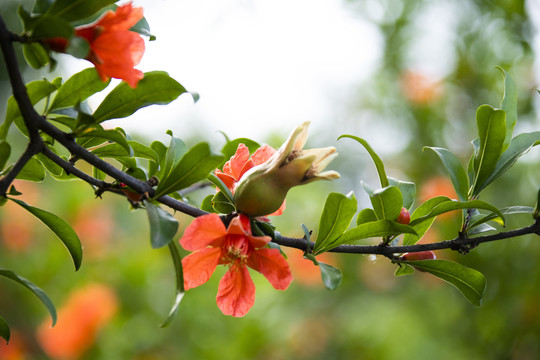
<point>117,53</point>
<point>238,161</point>
<point>199,266</point>
<point>122,19</point>
<point>262,154</point>
<point>203,231</point>
<point>236,292</point>
<point>227,179</point>
<point>240,225</point>
<point>273,266</point>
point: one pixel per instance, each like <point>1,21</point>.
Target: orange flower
<point>241,162</point>
<point>86,311</point>
<point>236,247</point>
<point>114,50</point>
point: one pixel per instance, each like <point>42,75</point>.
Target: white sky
<point>258,65</point>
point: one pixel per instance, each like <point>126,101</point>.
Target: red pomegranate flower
<point>236,247</point>
<point>114,50</point>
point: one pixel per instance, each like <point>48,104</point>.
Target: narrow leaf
<point>491,132</point>
<point>156,88</point>
<point>509,105</point>
<point>163,226</point>
<point>178,270</point>
<point>519,146</point>
<point>336,217</point>
<point>115,135</point>
<point>422,227</point>
<point>482,218</point>
<point>61,228</point>
<point>34,289</point>
<point>447,206</point>
<point>471,283</point>
<point>455,170</point>
<point>379,228</point>
<point>376,159</point>
<point>72,10</point>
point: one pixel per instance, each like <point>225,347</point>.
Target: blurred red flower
<point>213,244</point>
<point>85,312</point>
<point>240,163</point>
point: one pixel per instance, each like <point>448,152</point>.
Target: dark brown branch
<point>461,243</point>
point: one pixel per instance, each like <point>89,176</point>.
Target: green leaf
<point>509,105</point>
<point>32,171</point>
<point>536,212</point>
<point>78,47</point>
<point>36,90</point>
<point>206,204</point>
<point>50,165</point>
<point>404,269</point>
<point>379,228</point>
<point>376,159</point>
<point>156,88</point>
<point>455,170</point>
<point>163,226</point>
<point>48,27</point>
<point>178,270</point>
<point>5,151</point>
<point>471,283</point>
<point>78,88</point>
<point>34,289</point>
<point>161,151</point>
<point>331,276</point>
<point>35,55</point>
<point>387,202</point>
<point>72,10</point>
<point>177,148</point>
<point>336,217</point>
<point>61,228</point>
<point>142,27</point>
<point>422,227</point>
<point>407,189</point>
<point>194,166</point>
<point>452,205</point>
<point>482,218</point>
<point>115,136</point>
<point>491,131</point>
<point>4,329</point>
<point>519,146</point>
<point>366,215</point>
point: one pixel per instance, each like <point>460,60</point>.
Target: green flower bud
<point>263,188</point>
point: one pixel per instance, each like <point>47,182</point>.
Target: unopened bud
<point>404,217</point>
<point>416,256</point>
<point>263,188</point>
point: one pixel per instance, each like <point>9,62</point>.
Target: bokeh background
<point>401,74</point>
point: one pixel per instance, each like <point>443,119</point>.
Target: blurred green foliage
<point>372,315</point>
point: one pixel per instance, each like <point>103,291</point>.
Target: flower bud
<point>263,188</point>
<point>416,256</point>
<point>404,217</point>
